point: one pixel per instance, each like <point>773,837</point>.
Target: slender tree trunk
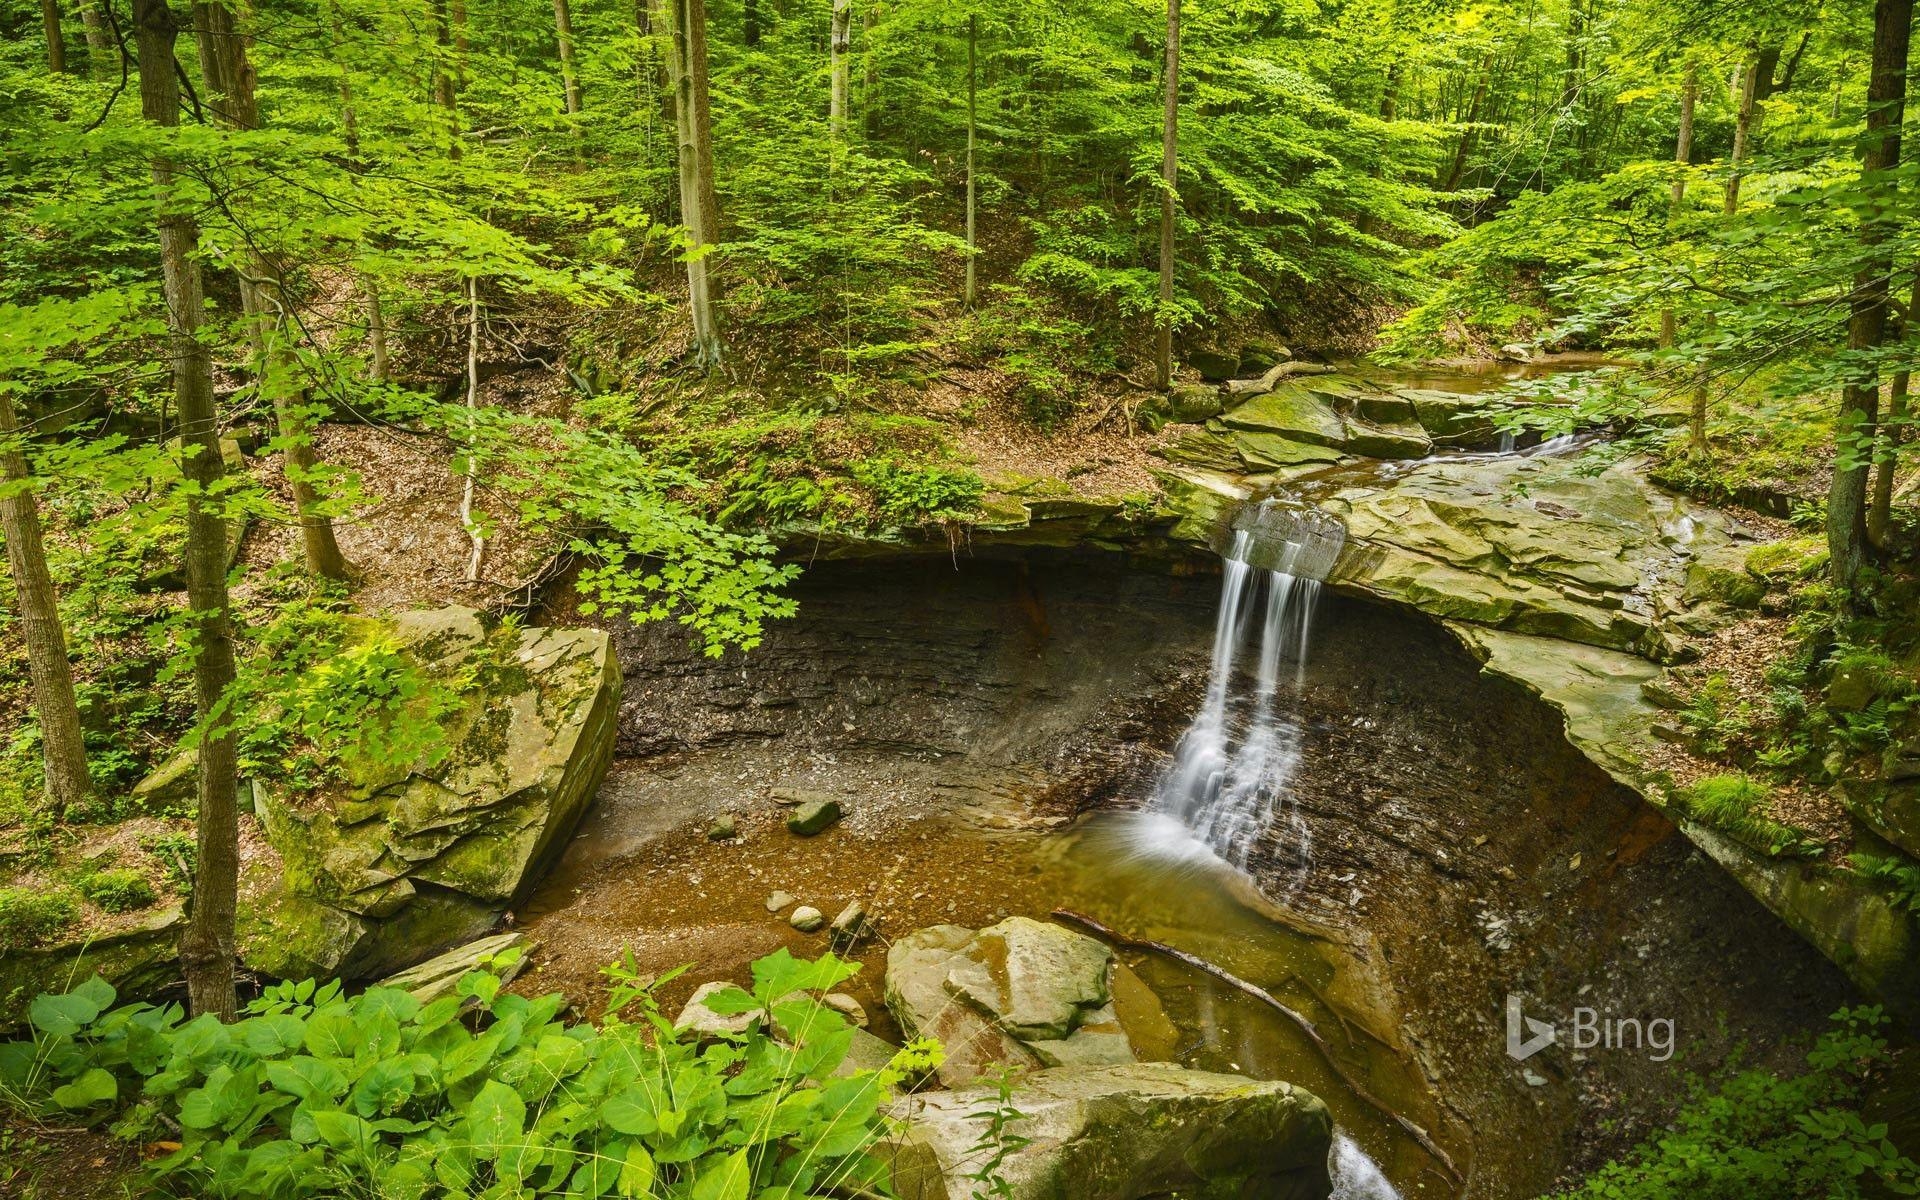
<point>206,949</point>
<point>699,211</point>
<point>102,54</point>
<point>477,556</point>
<point>1746,105</point>
<point>62,746</point>
<point>212,30</point>
<point>56,42</point>
<point>1866,324</point>
<point>1682,156</point>
<point>569,75</point>
<point>973,68</point>
<point>1892,433</point>
<point>1169,200</point>
<point>443,75</point>
<point>377,369</point>
<point>750,31</point>
<point>1463,151</point>
<point>270,329</point>
<point>838,50</point>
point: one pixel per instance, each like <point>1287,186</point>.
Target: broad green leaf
<point>728,1178</point>
<point>495,1119</point>
<point>96,1086</point>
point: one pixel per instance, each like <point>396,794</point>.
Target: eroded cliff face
<point>1458,845</point>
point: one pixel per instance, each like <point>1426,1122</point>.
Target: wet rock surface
<point>1119,1133</point>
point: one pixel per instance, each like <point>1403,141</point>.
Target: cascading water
<point>1228,781</point>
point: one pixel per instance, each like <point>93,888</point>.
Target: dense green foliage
<point>479,1093</point>
<point>1759,1136</point>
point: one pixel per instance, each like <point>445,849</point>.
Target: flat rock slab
<point>1121,1132</point>
<point>440,975</point>
<point>1293,412</point>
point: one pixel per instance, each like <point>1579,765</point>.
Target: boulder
<point>1119,1133</point>
<point>1193,403</point>
<point>136,960</point>
<point>1215,366</point>
<point>367,879</point>
<point>1020,993</point>
<point>1293,412</point>
<point>700,1020</point>
<point>1272,451</point>
<point>1388,439</point>
<point>1203,448</point>
<point>814,816</point>
<point>853,924</point>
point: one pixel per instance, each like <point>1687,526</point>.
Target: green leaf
<point>632,1112</point>
<point>387,1085</point>
<point>728,1179</point>
<point>62,1016</point>
<point>344,1131</point>
<point>495,1119</point>
<point>96,1086</point>
<point>637,1171</point>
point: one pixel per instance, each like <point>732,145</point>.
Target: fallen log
<point>1271,380</point>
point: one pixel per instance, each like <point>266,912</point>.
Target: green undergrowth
<point>482,1093</point>
<point>854,471</point>
<point>1737,806</point>
<point>1758,1135</point>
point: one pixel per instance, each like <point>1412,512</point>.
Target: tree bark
<point>1169,200</point>
<point>973,43</point>
<point>62,745</point>
<point>102,54</point>
<point>1682,156</point>
<point>212,30</point>
<point>750,26</point>
<point>699,210</point>
<point>1457,173</point>
<point>569,75</point>
<point>206,948</point>
<point>838,51</point>
<point>1747,104</point>
<point>270,329</point>
<point>1892,433</point>
<point>1867,318</point>
<point>56,41</point>
<point>476,557</point>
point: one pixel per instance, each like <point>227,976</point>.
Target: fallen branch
<point>1271,380</point>
<point>1265,997</point>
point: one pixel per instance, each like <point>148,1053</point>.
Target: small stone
<point>723,829</point>
<point>814,816</point>
<point>852,923</point>
<point>807,918</point>
<point>1573,864</point>
<point>847,1007</point>
<point>778,901</point>
<point>1534,1080</point>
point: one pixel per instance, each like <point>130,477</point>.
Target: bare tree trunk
<point>838,50</point>
<point>206,948</point>
<point>212,29</point>
<point>750,31</point>
<point>1169,200</point>
<point>569,75</point>
<point>62,745</point>
<point>1463,151</point>
<point>102,54</point>
<point>699,211</point>
<point>973,67</point>
<point>1880,509</point>
<point>443,75</point>
<point>1866,324</point>
<point>56,41</point>
<point>1746,104</point>
<point>1682,156</point>
<point>477,556</point>
<point>377,369</point>
<point>270,327</point>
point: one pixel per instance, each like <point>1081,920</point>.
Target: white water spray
<point>1229,780</point>
<point>1355,1176</point>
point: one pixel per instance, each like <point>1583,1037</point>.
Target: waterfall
<point>1355,1176</point>
<point>1228,780</point>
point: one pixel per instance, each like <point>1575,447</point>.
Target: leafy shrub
<point>1761,1137</point>
<point>482,1093</point>
<point>30,916</point>
<point>117,890</point>
<point>1901,877</point>
<point>1735,805</point>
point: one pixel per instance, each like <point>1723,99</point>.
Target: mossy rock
<point>1400,439</point>
<point>1193,403</point>
<point>1724,578</point>
<point>1793,558</point>
<point>136,960</point>
<point>1273,451</point>
<point>1293,411</point>
<point>368,884</point>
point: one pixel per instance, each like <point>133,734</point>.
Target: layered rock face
<point>432,855</point>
